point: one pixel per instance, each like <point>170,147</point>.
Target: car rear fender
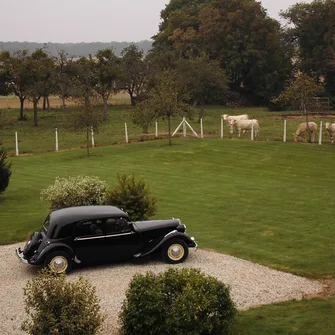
<point>51,248</point>
<point>172,235</point>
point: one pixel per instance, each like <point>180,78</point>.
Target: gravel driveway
<point>251,284</point>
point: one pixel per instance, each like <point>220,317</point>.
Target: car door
<point>122,242</point>
<point>89,241</point>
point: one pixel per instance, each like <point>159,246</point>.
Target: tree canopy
<point>238,33</point>
<point>312,30</point>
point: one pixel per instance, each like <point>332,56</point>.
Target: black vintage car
<point>90,234</point>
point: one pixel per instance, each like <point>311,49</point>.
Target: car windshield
<point>46,224</point>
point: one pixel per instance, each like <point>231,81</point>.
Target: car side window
<point>117,226</point>
<point>89,229</point>
<point>66,231</point>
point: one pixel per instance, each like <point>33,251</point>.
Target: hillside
<point>74,49</point>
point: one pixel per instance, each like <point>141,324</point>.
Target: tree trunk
<point>35,102</point>
<point>48,104</point>
<point>132,99</point>
<point>44,103</point>
<point>201,113</point>
<point>21,108</point>
<point>169,125</point>
<point>105,108</point>
<point>63,101</point>
<point>88,140</point>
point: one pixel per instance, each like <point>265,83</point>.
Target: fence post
<point>320,133</point>
<point>92,134</point>
<point>284,137</point>
<point>221,127</point>
<point>252,130</point>
<point>184,128</point>
<point>126,131</point>
<point>16,144</point>
<point>56,132</point>
<point>156,133</point>
<point>201,129</point>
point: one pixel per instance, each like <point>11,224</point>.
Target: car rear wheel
<point>59,262</point>
<point>175,251</point>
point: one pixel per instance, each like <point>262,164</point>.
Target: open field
<point>268,202</point>
<point>42,138</point>
<point>121,98</point>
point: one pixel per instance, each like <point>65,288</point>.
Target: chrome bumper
<point>19,254</point>
<point>196,244</point>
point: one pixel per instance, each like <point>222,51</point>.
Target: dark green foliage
<point>55,306</point>
<point>312,28</point>
<point>5,169</point>
<point>133,196</point>
<point>177,301</point>
<point>248,44</point>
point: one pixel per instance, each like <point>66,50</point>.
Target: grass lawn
<point>307,317</point>
<point>269,202</point>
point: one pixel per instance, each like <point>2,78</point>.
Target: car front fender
<point>173,234</point>
<point>40,257</point>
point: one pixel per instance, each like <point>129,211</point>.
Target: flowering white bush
<point>74,191</point>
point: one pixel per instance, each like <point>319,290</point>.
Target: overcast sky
<point>89,20</point>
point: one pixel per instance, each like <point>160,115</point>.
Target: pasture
<point>42,138</point>
<point>13,102</point>
<point>268,202</point>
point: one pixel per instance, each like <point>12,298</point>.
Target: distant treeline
<point>74,49</point>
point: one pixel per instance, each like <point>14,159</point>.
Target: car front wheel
<point>59,262</point>
<point>175,251</point>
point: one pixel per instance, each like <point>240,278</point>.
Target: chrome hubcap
<point>58,264</point>
<point>176,252</point>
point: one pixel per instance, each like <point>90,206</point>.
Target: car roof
<point>75,214</point>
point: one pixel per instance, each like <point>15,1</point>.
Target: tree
<point>238,33</point>
<point>106,70</point>
<point>165,100</point>
<point>41,78</point>
<point>202,78</point>
<point>135,73</point>
<point>5,169</point>
<point>85,117</point>
<point>311,28</point>
<point>16,74</point>
<point>64,75</point>
<point>301,93</point>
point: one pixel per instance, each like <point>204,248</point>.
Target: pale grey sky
<point>89,20</point>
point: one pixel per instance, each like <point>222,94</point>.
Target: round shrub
<point>74,191</point>
<point>177,301</point>
<point>5,169</point>
<point>133,196</point>
<point>55,306</point>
